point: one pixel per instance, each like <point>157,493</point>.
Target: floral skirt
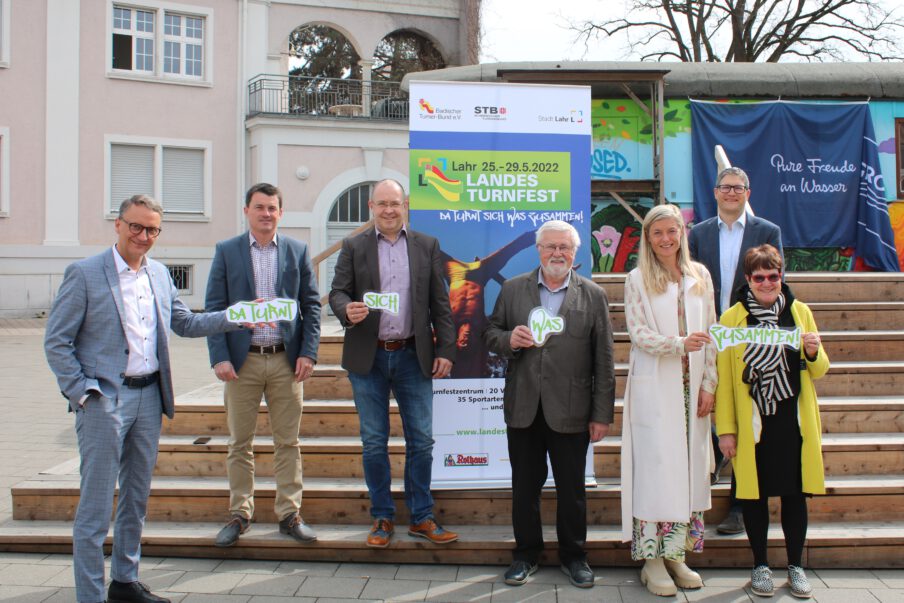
<point>669,540</point>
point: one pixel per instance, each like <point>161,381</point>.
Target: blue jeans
<point>400,372</point>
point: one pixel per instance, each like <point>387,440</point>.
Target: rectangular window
<point>140,46</point>
<point>4,171</point>
<point>4,32</point>
<point>899,156</point>
<point>176,173</point>
<point>181,274</point>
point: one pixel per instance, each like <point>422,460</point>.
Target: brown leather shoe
<point>430,530</point>
<point>380,534</point>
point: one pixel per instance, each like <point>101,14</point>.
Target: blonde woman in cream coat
<point>666,445</point>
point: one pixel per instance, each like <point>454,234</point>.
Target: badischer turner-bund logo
<point>470,459</point>
<point>491,113</point>
<point>427,110</point>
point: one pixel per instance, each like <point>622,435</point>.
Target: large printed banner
<point>490,163</point>
<point>814,170</point>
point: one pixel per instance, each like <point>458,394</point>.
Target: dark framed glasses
<point>760,278</point>
<point>135,228</point>
<point>727,188</point>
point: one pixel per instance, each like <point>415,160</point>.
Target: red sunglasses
<point>772,278</point>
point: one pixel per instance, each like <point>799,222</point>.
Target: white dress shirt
<point>730,238</point>
<point>141,317</point>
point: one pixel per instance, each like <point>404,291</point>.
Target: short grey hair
<point>559,226</point>
<point>142,200</point>
<point>733,171</point>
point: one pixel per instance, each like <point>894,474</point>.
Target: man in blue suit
<point>720,243</point>
<point>269,362</point>
<point>107,342</point>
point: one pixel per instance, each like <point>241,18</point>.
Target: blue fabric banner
<point>813,167</point>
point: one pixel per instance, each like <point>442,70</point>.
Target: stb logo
<point>489,111</point>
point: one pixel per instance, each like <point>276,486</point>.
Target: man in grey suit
<point>720,243</point>
<point>386,351</point>
<point>107,342</point>
<point>559,397</point>
<point>270,362</point>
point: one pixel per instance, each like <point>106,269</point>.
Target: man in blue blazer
<point>720,243</point>
<point>107,342</point>
<point>270,361</point>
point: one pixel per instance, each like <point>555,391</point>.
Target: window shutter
<point>131,172</point>
<point>183,180</point>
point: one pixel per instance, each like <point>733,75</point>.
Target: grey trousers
<point>117,439</point>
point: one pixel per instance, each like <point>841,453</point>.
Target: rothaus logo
<point>490,112</point>
<point>472,459</point>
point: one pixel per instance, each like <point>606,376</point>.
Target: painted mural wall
<point>622,150</point>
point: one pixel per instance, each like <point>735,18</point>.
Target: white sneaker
<point>761,581</point>
<point>797,580</point>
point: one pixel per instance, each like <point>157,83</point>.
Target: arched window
<point>402,52</point>
<point>349,211</point>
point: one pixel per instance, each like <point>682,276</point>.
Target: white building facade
<point>190,102</point>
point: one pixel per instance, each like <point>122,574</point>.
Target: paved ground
<point>36,433</point>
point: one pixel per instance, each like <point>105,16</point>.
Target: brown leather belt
<point>393,345</point>
<point>267,349</point>
<point>141,381</point>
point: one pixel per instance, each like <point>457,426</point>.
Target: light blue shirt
<point>730,238</point>
<point>549,298</point>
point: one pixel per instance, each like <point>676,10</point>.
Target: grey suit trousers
<point>117,439</point>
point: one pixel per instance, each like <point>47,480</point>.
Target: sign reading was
<point>524,180</point>
<point>543,324</point>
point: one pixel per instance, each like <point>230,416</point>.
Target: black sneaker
<point>579,572</point>
<point>519,571</point>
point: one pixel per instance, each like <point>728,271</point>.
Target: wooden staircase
<point>859,523</point>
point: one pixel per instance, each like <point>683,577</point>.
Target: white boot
<point>657,580</point>
<point>684,576</point>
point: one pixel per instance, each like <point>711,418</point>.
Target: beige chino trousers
<point>268,376</point>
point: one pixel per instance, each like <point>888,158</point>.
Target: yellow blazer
<point>737,413</point>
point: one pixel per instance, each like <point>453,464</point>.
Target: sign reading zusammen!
<point>726,337</point>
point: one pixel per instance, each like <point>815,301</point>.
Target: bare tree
<point>753,30</point>
<point>404,52</point>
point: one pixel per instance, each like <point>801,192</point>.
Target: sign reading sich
<point>387,302</point>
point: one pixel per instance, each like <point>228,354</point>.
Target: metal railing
<point>328,97</point>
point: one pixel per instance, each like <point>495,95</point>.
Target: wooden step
<point>844,454</point>
<point>207,416</point>
<point>843,345</point>
<point>345,501</point>
<point>878,378</point>
<point>809,287</point>
<point>831,545</point>
<point>862,414</point>
<point>829,316</point>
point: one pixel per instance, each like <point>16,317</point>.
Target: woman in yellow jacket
<point>767,416</point>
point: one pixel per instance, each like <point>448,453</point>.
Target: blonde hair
<point>656,277</point>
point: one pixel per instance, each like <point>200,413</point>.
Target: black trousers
<point>794,526</point>
<point>527,454</point>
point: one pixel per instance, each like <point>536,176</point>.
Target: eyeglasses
<point>388,204</point>
<point>727,188</point>
<point>550,248</point>
<point>772,278</point>
<point>135,229</point>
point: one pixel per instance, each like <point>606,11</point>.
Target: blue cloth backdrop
<point>813,168</point>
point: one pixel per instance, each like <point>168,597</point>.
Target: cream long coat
<point>662,479</point>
